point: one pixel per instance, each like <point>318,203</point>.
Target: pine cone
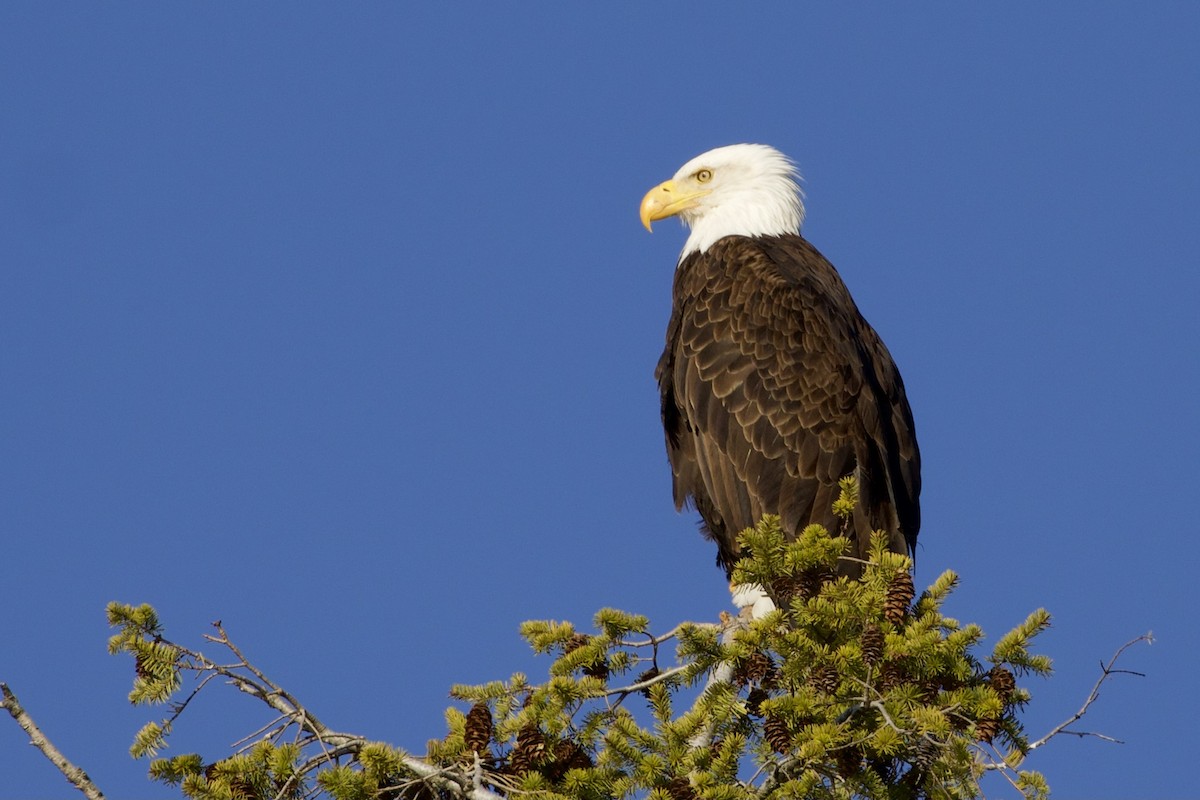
<point>478,731</point>
<point>923,756</point>
<point>849,760</point>
<point>241,789</point>
<point>872,644</point>
<point>567,755</point>
<point>680,788</point>
<point>757,668</point>
<point>811,580</point>
<point>891,675</point>
<point>986,729</point>
<point>924,753</point>
<point>645,676</point>
<point>1002,682</point>
<point>288,787</point>
<point>784,588</point>
<point>899,598</point>
<point>776,732</point>
<point>824,679</point>
<point>596,669</point>
<point>754,702</point>
<point>529,751</point>
<point>573,755</point>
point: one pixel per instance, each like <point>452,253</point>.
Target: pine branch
<point>72,773</point>
<point>847,689</point>
<point>311,732</point>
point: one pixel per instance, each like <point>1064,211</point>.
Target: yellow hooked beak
<point>667,200</point>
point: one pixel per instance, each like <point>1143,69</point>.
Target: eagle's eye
<point>704,175</point>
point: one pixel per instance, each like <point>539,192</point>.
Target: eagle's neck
<point>768,209</point>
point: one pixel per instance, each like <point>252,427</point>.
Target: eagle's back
<point>773,388</point>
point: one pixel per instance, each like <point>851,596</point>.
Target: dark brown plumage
<point>773,388</point>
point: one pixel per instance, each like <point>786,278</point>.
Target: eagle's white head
<point>740,189</point>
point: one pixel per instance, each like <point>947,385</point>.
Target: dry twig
<point>72,773</point>
<point>996,761</point>
<point>331,745</point>
<point>1106,672</point>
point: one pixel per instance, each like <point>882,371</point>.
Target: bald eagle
<point>773,385</point>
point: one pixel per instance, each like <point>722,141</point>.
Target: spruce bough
<point>849,689</point>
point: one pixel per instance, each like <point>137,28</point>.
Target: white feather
<point>754,191</point>
<point>752,596</point>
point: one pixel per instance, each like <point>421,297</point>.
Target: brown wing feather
<point>773,388</point>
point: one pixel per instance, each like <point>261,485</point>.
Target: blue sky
<point>336,323</point>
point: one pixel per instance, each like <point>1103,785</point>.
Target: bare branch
<point>644,684</point>
<point>1005,770</point>
<point>1106,672</point>
<point>1091,734</point>
<point>443,779</point>
<point>655,641</point>
<point>269,731</point>
<point>878,706</point>
<point>997,762</point>
<point>72,773</point>
<point>332,744</point>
